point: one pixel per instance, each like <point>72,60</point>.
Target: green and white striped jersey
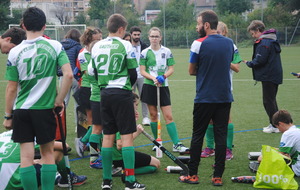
<point>112,57</point>
<point>33,64</point>
<point>9,162</point>
<point>84,57</point>
<point>290,144</point>
<point>156,62</point>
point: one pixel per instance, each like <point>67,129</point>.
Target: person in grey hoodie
<point>266,67</point>
<point>72,46</point>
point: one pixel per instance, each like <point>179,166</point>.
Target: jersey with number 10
<point>112,57</point>
<point>33,64</point>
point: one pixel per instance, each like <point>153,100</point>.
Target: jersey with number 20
<point>112,57</point>
<point>33,64</point>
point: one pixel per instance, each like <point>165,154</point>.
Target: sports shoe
<point>146,121</point>
<point>76,180</point>
<point>116,172</point>
<point>180,148</point>
<point>270,129</point>
<point>106,184</point>
<point>97,164</point>
<point>57,178</point>
<point>216,181</point>
<point>253,166</point>
<point>79,146</point>
<point>194,179</point>
<point>207,152</point>
<point>229,154</point>
<point>134,185</point>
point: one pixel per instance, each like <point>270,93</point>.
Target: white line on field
<point>234,80</point>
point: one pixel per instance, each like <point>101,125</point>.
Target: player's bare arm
<point>235,67</point>
<point>147,75</point>
<point>192,69</point>
<point>170,71</point>
<point>66,85</point>
<point>10,96</point>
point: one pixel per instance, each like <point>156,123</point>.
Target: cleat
<point>207,152</point>
<point>106,184</point>
<point>180,148</point>
<point>229,154</point>
<point>76,180</point>
<point>216,181</point>
<point>135,185</point>
<point>97,164</point>
<point>194,179</point>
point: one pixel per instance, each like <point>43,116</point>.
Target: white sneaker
<point>270,129</point>
<point>146,121</point>
<point>180,148</point>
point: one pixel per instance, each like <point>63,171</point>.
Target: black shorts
<point>84,97</point>
<point>141,160</point>
<point>117,111</point>
<point>149,95</point>
<point>29,124</point>
<point>96,113</point>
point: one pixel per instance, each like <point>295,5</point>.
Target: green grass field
<point>247,113</point>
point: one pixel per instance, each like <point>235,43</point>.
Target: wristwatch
<point>8,117</point>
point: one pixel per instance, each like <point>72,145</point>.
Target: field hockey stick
<point>169,154</point>
<point>159,139</point>
<point>65,151</point>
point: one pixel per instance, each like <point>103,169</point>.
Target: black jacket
<point>266,61</point>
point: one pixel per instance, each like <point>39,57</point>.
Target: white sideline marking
<point>235,80</point>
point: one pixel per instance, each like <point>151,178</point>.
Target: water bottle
<point>243,179</point>
<point>173,169</point>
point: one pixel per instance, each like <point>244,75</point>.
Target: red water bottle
<point>243,179</point>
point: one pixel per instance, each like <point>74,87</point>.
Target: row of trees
<point>179,14</point>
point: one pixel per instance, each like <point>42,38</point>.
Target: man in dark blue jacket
<point>266,67</point>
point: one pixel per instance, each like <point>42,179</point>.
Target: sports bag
<point>274,172</point>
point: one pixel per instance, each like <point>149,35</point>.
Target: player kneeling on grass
<point>290,139</point>
<point>10,165</point>
<point>144,163</point>
<point>11,38</point>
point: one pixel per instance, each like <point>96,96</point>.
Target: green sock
<point>86,137</point>
<point>94,141</point>
<point>48,172</point>
<point>129,160</point>
<point>61,168</point>
<point>100,141</point>
<point>107,162</point>
<point>209,136</point>
<point>145,170</point>
<point>153,126</point>
<point>230,135</point>
<point>28,178</point>
<point>171,128</point>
